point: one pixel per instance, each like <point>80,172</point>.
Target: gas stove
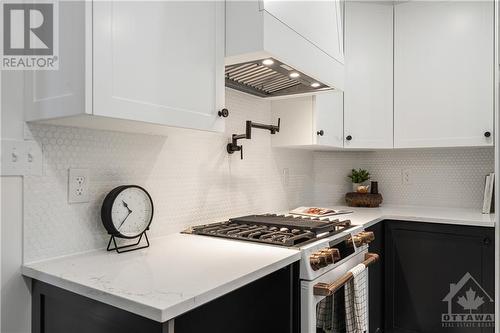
<point>329,250</point>
<point>273,229</point>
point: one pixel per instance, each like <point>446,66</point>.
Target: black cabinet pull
<point>348,138</point>
<point>487,134</point>
<point>223,113</point>
<point>487,241</point>
<point>320,132</point>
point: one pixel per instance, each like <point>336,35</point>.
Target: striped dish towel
<point>356,301</point>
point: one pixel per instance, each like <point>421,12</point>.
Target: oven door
<point>309,302</point>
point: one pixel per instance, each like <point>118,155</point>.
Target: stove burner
<point>284,230</point>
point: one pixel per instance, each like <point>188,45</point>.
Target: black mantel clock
<point>127,212</point>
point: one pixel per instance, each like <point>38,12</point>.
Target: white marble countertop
<point>175,274</point>
<point>458,216</point>
<point>181,272</point>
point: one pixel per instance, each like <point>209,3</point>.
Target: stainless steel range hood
<point>270,78</point>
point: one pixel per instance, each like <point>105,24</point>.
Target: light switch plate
<point>78,185</point>
<point>21,158</point>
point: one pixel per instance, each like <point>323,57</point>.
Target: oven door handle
<point>328,289</point>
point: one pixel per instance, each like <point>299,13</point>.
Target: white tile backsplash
<point>189,174</point>
<point>451,177</point>
<point>193,180</point>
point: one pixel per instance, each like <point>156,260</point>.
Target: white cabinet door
<point>328,119</point>
<point>64,92</point>
<point>320,22</point>
<point>160,62</point>
<point>296,126</point>
<point>309,121</point>
<point>368,94</point>
<point>444,65</point>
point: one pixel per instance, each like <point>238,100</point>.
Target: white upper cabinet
<point>160,63</point>
<point>320,22</point>
<point>444,74</point>
<point>328,119</point>
<point>309,121</point>
<point>368,94</point>
<point>305,35</point>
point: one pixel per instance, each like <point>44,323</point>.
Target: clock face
<point>131,211</point>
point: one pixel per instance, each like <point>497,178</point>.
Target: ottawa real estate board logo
<point>469,305</point>
<point>30,35</point>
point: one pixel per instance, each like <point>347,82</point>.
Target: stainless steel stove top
<point>282,230</point>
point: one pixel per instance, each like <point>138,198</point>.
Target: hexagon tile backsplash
<point>189,174</point>
<point>445,177</point>
<point>193,180</point>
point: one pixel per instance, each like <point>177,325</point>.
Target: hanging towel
<point>324,313</point>
<point>338,320</point>
<point>330,313</point>
<point>356,301</point>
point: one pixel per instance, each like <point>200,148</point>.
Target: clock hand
<point>125,219</point>
<point>126,206</point>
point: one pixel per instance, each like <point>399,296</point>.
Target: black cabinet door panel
<point>376,280</point>
<point>423,261</point>
<point>268,305</point>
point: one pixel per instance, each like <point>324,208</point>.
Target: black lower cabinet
<point>438,278</point>
<point>56,310</point>
<point>270,304</point>
<point>376,286</point>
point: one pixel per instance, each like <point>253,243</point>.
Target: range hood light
<point>258,78</point>
<point>267,62</point>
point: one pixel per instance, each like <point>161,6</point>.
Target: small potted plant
<point>358,177</point>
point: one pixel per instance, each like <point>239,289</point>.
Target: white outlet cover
<point>78,190</point>
<point>407,176</point>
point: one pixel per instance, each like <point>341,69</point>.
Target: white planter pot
<point>355,186</point>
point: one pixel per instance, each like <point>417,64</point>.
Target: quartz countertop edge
<point>158,293</point>
<point>443,215</point>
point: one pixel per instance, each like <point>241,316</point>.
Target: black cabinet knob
<point>487,241</point>
<point>320,132</point>
<point>223,113</point>
<point>487,134</point>
<point>348,138</point>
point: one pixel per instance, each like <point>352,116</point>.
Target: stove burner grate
<point>273,229</point>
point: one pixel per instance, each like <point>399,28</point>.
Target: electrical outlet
<point>78,185</point>
<point>407,176</point>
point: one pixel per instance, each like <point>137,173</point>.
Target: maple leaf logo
<point>470,301</point>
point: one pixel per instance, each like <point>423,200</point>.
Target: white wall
<point>15,291</point>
